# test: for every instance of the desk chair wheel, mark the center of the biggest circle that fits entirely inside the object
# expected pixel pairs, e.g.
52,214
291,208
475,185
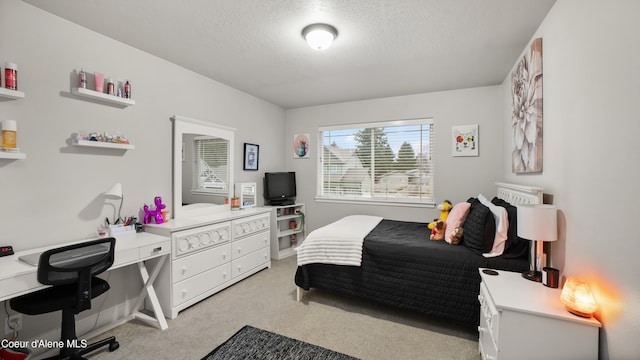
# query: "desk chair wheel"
114,346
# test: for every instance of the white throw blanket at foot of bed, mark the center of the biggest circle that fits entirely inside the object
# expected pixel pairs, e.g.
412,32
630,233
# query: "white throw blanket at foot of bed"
338,243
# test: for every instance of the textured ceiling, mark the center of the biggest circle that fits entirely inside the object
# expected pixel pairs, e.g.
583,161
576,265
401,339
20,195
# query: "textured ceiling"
384,47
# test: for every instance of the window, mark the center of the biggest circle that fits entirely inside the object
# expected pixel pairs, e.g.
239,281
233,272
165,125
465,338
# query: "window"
211,163
388,162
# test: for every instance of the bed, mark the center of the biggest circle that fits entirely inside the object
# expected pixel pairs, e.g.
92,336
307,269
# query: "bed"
401,267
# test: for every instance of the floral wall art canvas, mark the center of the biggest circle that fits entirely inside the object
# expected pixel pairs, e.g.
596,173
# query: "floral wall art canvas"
526,119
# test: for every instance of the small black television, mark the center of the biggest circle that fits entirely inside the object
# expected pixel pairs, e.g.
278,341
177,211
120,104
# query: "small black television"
280,188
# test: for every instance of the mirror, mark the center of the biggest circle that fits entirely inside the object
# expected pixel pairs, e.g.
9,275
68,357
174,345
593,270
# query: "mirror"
202,167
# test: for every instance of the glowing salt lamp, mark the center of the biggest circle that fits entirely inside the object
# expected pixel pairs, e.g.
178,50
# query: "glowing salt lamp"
577,298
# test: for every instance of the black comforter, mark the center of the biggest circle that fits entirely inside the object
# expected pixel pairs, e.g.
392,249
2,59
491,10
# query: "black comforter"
401,267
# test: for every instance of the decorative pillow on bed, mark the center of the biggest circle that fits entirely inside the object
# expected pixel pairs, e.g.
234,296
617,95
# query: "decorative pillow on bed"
479,228
456,218
515,245
502,224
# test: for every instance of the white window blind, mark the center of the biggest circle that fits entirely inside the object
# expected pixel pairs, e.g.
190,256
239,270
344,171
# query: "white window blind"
388,162
211,163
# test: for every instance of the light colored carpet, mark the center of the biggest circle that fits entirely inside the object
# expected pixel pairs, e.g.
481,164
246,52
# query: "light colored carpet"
266,300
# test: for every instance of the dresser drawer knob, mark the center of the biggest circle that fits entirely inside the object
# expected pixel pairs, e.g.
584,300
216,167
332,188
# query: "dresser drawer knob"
184,293
184,270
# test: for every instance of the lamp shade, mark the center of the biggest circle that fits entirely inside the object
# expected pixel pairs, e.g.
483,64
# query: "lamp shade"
538,222
577,298
319,36
115,192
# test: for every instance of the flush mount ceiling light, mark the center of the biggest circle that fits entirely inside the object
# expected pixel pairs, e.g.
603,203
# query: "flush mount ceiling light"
319,36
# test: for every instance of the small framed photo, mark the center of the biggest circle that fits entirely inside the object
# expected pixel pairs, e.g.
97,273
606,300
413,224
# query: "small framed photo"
464,140
301,146
251,156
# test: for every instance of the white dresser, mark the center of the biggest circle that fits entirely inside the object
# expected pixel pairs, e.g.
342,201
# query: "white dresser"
210,253
522,319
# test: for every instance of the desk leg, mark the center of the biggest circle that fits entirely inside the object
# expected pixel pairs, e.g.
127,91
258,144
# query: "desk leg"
150,293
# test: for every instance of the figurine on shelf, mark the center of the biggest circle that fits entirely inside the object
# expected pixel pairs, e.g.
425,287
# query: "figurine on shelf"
118,138
78,136
156,213
122,140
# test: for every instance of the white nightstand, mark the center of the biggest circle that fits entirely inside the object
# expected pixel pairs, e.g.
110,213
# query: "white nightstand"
522,319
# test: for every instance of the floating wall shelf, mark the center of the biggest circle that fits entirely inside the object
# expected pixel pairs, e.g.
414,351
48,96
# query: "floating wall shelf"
12,155
86,93
104,145
11,94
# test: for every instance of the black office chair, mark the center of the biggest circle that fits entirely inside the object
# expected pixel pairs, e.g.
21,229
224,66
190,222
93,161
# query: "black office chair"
72,271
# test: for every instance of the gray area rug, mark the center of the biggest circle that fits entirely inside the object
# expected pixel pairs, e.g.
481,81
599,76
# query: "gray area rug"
253,343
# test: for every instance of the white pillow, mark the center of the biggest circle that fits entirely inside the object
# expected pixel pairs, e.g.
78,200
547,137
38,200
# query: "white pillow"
502,225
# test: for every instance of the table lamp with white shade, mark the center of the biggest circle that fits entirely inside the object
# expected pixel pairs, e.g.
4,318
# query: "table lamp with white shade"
115,193
538,223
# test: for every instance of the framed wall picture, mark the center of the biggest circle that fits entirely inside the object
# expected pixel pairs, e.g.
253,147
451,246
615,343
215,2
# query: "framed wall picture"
251,156
301,145
526,118
464,140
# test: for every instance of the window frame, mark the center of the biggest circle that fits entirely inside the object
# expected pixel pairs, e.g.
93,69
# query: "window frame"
196,186
377,200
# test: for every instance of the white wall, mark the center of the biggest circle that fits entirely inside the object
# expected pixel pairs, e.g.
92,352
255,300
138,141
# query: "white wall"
63,184
55,194
456,178
591,57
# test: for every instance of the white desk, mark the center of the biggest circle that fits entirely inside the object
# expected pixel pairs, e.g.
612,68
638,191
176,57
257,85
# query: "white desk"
18,278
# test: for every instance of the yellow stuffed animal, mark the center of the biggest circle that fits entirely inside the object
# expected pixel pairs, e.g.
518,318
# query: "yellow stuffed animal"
444,208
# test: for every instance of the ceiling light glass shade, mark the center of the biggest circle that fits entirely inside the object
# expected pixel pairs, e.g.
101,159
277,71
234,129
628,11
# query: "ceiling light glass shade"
319,36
